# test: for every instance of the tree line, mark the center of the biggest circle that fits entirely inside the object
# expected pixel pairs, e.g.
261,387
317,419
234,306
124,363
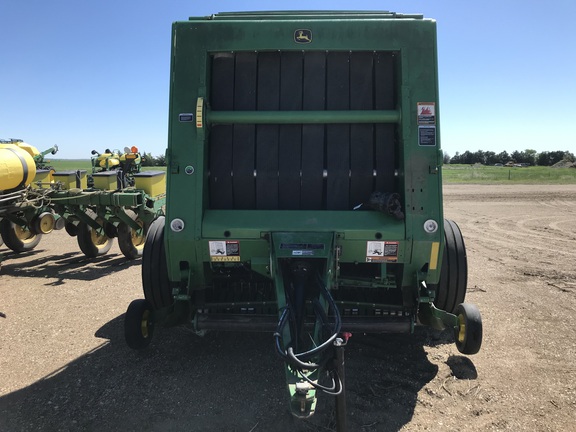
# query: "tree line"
530,157
149,160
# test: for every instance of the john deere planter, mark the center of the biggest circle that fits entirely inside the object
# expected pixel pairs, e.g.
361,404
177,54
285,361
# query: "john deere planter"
34,200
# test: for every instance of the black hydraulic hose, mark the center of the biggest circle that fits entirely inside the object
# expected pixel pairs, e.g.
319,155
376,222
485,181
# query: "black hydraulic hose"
336,388
299,359
278,332
337,326
294,359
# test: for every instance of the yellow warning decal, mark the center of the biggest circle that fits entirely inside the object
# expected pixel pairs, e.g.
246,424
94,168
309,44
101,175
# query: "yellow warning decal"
225,258
434,256
199,112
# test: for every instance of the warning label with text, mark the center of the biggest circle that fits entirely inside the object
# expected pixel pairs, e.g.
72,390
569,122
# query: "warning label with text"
382,251
224,251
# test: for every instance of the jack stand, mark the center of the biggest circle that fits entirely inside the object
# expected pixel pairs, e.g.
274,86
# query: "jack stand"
339,345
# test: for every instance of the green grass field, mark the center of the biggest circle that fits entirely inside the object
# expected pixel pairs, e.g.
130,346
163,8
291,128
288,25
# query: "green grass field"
479,174
84,164
451,173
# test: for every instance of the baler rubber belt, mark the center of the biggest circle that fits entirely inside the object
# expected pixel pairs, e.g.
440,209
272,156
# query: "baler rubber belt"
221,167
361,135
290,136
384,99
221,136
338,135
243,158
314,97
268,93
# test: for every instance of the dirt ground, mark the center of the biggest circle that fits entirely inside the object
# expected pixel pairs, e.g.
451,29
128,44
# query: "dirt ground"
64,364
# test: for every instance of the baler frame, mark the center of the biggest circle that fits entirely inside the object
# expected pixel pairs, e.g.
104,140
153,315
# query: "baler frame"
304,189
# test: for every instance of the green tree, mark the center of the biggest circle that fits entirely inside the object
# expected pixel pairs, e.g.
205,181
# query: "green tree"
161,160
503,157
556,156
543,159
490,158
530,156
478,157
550,158
148,160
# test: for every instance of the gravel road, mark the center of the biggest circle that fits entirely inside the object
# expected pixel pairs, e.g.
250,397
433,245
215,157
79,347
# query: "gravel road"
64,365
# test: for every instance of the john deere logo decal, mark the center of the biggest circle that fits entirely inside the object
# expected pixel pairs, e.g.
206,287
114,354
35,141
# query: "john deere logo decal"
303,36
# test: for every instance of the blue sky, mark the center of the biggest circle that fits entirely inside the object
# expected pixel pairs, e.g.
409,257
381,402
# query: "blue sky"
89,75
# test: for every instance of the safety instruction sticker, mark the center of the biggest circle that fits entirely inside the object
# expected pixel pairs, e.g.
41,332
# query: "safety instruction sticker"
224,251
426,113
382,251
427,136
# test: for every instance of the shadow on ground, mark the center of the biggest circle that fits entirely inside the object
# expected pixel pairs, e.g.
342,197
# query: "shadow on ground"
71,265
221,382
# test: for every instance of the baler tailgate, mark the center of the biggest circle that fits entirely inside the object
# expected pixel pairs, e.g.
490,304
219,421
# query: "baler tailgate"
304,193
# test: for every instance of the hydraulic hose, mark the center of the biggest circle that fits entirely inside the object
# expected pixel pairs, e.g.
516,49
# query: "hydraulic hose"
299,359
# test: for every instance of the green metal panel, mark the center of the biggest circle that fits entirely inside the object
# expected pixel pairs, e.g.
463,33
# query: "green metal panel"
410,39
302,117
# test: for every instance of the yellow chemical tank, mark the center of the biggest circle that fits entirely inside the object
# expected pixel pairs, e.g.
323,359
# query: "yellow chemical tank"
17,167
108,160
33,151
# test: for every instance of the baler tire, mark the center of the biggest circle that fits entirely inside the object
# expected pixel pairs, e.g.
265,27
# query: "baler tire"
468,333
138,324
451,288
131,244
155,282
91,243
16,238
